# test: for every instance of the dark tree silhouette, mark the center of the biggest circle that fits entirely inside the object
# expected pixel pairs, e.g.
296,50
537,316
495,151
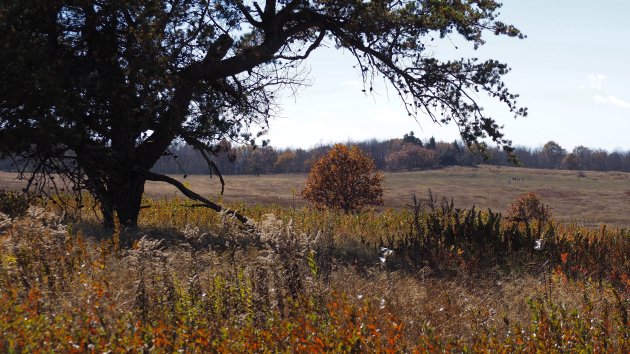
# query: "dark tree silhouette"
412,139
97,91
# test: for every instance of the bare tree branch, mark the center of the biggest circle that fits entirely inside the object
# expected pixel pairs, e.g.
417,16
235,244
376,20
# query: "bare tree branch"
313,45
213,167
245,11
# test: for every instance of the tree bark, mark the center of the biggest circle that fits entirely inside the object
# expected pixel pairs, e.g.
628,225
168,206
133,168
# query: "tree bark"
126,199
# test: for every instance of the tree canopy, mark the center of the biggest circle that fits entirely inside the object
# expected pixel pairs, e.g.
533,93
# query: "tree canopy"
98,90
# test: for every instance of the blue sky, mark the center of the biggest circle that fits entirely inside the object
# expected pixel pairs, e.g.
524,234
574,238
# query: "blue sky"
571,72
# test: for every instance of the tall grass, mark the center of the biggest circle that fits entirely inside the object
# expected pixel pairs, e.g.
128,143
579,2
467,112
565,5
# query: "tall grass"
311,281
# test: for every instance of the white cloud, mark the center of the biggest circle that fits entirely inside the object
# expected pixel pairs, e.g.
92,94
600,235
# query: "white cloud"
612,100
596,81
596,84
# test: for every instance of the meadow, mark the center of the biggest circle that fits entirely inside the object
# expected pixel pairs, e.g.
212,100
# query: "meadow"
430,275
586,197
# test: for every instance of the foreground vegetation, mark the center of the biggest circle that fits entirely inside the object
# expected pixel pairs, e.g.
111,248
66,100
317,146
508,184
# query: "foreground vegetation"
428,278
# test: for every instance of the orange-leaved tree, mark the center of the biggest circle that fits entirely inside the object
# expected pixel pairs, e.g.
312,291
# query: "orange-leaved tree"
344,179
528,207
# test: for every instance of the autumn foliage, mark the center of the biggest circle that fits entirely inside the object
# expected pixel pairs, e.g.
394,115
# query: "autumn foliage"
527,207
344,179
410,157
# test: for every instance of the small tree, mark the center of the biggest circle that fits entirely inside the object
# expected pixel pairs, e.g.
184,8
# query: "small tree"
344,179
527,207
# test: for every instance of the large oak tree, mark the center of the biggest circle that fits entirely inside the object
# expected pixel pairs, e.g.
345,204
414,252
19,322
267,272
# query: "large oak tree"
97,90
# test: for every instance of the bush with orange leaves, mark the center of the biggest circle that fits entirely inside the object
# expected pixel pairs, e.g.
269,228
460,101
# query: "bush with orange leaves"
344,179
527,207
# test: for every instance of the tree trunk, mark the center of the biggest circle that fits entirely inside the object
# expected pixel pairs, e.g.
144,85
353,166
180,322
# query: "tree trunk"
126,199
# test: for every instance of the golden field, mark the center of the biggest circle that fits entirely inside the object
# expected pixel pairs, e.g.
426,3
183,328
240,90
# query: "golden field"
597,197
586,197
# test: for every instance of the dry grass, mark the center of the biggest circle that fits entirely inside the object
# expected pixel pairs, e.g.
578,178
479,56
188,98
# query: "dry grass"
594,198
599,197
64,288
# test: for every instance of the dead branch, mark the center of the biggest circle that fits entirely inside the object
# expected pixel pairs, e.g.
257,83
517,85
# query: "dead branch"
152,176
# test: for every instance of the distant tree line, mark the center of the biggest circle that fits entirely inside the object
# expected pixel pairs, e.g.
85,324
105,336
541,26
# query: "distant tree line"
406,153
392,155
553,156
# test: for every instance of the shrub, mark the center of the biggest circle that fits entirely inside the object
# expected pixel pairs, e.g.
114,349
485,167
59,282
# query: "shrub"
344,179
14,204
527,207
